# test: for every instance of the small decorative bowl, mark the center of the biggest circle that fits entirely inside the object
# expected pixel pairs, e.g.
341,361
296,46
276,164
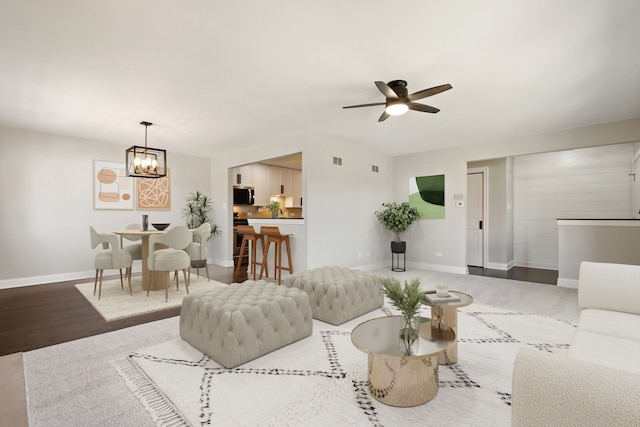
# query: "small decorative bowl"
161,226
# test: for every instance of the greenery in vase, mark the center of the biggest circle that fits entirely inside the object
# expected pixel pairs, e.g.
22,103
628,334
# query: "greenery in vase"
406,298
397,217
198,210
274,206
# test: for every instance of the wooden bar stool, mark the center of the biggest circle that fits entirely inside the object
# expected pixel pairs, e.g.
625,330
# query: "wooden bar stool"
249,235
272,235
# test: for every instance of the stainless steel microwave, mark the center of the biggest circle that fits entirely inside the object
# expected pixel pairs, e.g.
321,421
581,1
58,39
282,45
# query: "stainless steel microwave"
243,196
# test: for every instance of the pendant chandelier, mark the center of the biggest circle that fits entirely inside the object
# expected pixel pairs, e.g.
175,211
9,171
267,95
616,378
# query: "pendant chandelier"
145,162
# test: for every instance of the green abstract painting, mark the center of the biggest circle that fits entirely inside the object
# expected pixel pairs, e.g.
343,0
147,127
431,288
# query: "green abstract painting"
426,193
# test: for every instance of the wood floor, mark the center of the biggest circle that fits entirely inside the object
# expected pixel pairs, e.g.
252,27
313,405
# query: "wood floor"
38,316
535,275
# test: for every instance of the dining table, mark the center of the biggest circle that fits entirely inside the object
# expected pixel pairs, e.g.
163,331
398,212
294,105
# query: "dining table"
153,280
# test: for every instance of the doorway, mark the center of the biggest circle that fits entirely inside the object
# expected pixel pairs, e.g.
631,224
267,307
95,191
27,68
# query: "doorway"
476,223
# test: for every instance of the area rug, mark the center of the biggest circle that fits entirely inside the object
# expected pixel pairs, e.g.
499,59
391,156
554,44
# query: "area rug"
322,380
116,303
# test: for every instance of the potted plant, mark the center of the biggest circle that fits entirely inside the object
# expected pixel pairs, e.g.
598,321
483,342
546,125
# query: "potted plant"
397,217
407,299
274,208
197,211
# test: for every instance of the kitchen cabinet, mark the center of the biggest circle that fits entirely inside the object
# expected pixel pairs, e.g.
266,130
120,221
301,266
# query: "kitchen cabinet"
295,201
260,176
242,176
280,181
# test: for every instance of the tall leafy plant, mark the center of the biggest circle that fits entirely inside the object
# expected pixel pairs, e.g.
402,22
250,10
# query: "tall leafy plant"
397,217
198,210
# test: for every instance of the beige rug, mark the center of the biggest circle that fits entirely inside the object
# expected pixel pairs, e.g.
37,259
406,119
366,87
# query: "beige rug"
116,303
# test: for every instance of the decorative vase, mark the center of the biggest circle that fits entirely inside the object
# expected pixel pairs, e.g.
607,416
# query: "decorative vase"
145,222
274,214
409,334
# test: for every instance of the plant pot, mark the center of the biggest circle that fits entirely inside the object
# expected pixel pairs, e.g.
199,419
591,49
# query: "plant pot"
398,247
274,214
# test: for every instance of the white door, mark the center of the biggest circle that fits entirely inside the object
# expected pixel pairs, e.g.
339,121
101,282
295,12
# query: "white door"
636,188
475,219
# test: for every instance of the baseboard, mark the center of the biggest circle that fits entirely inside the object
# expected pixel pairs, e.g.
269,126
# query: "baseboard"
41,280
376,266
437,267
567,283
498,266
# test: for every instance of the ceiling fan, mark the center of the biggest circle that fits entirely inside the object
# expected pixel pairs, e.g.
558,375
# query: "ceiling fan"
399,102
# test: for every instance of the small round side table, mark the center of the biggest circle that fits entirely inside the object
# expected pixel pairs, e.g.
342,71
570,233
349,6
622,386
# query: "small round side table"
445,315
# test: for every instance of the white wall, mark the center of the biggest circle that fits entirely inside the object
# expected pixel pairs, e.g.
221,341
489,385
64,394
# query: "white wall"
342,228
339,201
46,182
449,235
590,183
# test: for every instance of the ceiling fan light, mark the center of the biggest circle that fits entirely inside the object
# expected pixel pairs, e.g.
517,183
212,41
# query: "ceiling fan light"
396,109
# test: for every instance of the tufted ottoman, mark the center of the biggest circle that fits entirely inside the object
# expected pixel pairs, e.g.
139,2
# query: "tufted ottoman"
338,294
237,323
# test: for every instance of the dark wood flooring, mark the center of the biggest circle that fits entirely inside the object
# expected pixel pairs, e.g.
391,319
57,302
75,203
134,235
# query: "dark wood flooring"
38,316
535,275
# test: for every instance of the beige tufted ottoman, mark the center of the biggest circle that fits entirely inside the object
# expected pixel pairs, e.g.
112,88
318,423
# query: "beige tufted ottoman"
338,294
237,323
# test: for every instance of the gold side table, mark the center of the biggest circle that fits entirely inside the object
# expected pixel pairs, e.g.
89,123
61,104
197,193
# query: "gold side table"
445,315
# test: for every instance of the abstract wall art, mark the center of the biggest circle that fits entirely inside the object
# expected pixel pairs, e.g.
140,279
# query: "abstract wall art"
426,193
154,193
112,188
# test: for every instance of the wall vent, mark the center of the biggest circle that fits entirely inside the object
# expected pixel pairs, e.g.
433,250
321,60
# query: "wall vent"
337,161
374,168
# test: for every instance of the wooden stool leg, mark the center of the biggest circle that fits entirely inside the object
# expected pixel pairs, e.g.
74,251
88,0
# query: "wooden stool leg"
241,254
253,257
264,260
289,254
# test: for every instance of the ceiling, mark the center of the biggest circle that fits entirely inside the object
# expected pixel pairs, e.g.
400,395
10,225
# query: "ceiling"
218,75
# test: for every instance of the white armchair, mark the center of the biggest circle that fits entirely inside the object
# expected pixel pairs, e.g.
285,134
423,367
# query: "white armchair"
110,257
174,257
134,249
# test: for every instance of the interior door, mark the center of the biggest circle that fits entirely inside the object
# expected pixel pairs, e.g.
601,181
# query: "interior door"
636,188
475,219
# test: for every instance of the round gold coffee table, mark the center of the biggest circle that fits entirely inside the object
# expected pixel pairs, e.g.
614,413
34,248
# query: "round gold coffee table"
445,315
401,376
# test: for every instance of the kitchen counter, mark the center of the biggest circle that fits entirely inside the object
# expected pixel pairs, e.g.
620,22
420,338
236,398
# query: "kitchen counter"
600,240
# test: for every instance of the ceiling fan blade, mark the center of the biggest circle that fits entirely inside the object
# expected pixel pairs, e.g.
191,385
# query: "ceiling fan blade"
365,105
386,90
422,107
384,116
429,92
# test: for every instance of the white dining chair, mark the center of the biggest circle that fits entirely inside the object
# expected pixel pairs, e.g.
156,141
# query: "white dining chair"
110,257
134,249
174,257
197,249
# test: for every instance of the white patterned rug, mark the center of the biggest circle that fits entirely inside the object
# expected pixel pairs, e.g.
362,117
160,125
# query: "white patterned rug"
115,303
322,380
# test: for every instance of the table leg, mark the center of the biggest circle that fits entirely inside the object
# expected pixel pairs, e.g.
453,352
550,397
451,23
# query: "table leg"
400,381
446,317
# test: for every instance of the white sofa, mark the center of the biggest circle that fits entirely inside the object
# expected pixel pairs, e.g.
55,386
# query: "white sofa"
598,384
